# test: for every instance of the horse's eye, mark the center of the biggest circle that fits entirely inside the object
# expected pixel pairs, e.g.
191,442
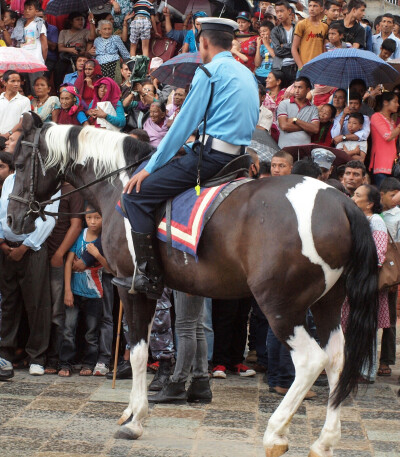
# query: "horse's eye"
19,166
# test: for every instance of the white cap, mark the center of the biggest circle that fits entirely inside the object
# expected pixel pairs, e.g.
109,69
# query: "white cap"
218,23
302,14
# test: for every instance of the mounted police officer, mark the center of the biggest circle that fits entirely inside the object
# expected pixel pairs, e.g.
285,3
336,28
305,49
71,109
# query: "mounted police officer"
224,93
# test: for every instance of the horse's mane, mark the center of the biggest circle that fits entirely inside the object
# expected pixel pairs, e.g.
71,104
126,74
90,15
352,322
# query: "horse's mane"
107,150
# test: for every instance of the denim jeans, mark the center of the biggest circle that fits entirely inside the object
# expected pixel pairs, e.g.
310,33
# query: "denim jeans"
208,328
106,325
388,342
90,309
258,333
281,370
192,345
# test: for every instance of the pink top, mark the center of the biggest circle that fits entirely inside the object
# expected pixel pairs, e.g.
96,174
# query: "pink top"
383,153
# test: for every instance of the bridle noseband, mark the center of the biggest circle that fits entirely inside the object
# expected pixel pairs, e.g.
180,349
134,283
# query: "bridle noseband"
34,207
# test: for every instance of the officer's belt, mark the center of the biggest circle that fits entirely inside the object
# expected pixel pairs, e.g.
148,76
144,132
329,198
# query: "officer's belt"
223,146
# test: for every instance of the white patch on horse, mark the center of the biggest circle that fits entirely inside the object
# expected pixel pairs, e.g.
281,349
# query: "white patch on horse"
302,197
309,360
330,433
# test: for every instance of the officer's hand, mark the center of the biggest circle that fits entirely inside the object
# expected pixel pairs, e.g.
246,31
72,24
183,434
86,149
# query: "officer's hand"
136,181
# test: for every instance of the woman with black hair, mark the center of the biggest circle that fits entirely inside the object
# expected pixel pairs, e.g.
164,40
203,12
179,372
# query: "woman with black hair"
327,114
368,199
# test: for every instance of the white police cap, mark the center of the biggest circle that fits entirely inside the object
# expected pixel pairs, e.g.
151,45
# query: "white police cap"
218,23
323,157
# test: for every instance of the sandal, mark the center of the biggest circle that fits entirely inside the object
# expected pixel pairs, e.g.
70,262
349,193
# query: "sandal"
384,370
86,371
64,373
50,370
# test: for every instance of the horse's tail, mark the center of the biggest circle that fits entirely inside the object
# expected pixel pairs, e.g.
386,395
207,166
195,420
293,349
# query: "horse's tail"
362,294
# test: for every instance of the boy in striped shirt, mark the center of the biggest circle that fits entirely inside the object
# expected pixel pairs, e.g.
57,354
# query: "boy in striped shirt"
141,25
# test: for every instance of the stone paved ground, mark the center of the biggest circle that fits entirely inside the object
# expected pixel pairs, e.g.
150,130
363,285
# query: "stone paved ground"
50,416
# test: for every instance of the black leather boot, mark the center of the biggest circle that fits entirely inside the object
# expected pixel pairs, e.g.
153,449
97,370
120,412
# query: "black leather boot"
199,391
124,371
162,376
148,278
172,392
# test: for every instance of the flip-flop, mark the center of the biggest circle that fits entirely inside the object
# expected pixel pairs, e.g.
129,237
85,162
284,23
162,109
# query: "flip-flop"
86,372
64,370
384,371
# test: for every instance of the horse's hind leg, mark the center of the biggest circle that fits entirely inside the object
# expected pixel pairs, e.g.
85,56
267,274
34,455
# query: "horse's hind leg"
139,312
309,360
326,314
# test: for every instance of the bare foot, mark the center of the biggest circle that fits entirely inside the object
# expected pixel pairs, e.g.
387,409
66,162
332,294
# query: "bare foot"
64,373
86,372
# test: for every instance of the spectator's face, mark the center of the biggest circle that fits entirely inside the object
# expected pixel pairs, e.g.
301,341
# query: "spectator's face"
325,114
255,23
300,90
271,82
12,142
325,173
156,115
386,199
179,96
13,84
360,198
354,106
80,62
7,20
282,13
314,9
359,13
78,23
353,125
102,91
110,18
4,172
393,105
106,31
333,13
359,88
93,221
396,29
334,36
387,25
89,69
125,72
66,100
197,24
385,54
352,178
148,89
280,167
41,88
30,12
264,5
265,33
243,25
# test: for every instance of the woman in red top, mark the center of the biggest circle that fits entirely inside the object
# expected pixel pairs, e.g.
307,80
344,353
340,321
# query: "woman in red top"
85,82
384,135
245,44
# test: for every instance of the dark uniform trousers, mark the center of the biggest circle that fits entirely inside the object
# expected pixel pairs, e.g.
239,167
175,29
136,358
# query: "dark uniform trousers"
26,284
168,181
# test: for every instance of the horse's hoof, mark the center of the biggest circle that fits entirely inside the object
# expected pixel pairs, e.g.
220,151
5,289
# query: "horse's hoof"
276,451
125,417
126,433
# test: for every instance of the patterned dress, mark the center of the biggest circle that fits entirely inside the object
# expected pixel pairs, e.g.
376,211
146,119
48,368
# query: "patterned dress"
380,236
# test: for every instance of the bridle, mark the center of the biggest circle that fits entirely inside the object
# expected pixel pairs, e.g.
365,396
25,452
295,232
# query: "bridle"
37,208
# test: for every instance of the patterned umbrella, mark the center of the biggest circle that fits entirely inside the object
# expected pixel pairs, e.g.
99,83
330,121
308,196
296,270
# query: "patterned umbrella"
304,150
179,70
20,60
339,67
59,7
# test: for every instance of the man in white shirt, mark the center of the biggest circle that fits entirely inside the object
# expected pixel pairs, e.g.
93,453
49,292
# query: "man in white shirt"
12,104
386,31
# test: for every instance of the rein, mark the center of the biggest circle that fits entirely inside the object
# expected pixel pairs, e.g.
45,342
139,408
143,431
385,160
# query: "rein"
37,207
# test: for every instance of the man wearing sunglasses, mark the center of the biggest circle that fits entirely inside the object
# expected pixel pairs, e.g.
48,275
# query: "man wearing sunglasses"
227,92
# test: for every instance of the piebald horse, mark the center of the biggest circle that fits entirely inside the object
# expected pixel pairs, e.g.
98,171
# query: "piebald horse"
292,242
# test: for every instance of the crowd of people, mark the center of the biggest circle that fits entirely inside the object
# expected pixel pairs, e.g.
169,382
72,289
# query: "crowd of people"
57,296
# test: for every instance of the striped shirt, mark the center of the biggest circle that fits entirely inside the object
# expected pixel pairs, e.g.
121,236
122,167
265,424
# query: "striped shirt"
144,8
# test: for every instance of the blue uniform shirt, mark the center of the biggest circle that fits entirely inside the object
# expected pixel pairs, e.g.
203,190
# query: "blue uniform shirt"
233,113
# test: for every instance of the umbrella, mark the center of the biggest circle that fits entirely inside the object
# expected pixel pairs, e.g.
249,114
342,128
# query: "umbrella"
339,67
20,60
179,70
304,150
263,144
395,63
59,7
184,7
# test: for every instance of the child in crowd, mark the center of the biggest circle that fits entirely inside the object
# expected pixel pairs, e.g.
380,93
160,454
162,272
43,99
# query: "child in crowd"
264,54
141,25
309,35
388,47
108,49
391,215
30,34
356,149
335,37
83,296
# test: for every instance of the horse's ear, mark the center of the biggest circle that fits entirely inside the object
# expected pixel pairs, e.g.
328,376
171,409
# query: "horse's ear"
37,121
27,122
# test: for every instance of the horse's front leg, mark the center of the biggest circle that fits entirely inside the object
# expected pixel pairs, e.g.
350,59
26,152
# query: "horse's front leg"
139,313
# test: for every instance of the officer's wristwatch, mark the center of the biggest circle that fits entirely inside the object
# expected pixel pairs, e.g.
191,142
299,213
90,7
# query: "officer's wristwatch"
294,120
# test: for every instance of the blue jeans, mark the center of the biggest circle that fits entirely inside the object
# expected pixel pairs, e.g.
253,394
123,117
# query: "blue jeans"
90,309
280,370
106,324
259,328
208,328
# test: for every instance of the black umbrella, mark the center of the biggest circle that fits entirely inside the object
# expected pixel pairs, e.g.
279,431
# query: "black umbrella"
59,7
263,144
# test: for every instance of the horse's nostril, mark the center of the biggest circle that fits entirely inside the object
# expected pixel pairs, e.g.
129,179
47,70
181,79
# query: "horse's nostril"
9,220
